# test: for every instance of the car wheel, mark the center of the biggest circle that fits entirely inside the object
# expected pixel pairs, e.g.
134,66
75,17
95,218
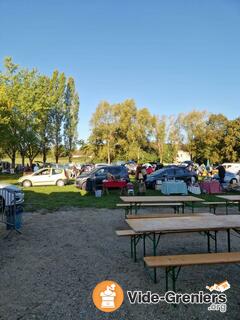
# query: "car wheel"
2,204
60,183
232,181
27,183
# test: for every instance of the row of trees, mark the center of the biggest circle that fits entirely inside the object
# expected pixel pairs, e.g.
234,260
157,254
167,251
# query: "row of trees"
37,113
122,131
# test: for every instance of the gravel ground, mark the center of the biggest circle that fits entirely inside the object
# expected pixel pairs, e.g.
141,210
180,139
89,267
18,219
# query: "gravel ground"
50,271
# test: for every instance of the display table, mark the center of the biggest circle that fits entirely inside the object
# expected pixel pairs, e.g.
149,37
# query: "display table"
174,187
112,184
211,186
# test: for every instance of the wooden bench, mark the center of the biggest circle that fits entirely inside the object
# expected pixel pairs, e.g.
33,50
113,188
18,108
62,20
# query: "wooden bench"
165,215
171,263
128,207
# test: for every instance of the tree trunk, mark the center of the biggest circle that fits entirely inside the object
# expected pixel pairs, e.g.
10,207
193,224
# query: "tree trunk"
44,154
108,152
138,155
70,151
160,155
56,157
30,162
12,155
23,159
13,159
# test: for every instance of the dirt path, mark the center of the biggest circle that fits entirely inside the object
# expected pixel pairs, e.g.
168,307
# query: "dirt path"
50,270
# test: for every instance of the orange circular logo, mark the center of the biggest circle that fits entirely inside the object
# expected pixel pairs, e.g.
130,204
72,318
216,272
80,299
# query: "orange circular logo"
108,296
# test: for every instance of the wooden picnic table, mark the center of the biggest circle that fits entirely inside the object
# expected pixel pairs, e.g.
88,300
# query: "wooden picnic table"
156,227
136,201
229,199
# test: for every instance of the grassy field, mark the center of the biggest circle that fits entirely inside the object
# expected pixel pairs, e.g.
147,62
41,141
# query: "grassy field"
53,197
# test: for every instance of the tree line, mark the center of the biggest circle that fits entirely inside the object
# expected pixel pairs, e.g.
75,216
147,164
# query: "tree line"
37,113
122,131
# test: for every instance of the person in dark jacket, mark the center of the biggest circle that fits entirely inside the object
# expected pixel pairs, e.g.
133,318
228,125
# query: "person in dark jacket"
221,173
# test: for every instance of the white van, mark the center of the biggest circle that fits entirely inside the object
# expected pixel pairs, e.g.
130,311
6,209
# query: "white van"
232,167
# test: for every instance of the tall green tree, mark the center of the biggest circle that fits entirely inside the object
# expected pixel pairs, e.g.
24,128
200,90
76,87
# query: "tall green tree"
210,144
159,133
193,125
10,84
231,147
103,131
71,118
57,111
174,139
44,98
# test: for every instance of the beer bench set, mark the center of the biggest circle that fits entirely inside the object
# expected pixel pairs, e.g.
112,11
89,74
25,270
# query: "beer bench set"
133,204
132,208
155,226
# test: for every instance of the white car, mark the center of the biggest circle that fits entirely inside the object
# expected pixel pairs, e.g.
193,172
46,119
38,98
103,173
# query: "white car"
7,194
230,177
45,177
232,167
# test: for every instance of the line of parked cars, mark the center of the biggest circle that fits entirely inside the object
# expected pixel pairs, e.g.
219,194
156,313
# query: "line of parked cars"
90,176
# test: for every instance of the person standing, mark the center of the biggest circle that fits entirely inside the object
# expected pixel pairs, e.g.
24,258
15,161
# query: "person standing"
221,173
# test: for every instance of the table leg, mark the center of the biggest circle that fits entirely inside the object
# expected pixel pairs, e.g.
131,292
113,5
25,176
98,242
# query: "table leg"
134,248
229,240
226,207
215,241
174,279
144,245
166,275
183,207
130,208
208,241
154,244
135,208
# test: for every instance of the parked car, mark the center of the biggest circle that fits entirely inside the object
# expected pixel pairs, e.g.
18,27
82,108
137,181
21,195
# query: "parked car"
45,177
230,177
87,180
7,192
232,167
172,172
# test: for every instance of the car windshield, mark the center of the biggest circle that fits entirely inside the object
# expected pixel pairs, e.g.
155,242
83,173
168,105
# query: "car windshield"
91,172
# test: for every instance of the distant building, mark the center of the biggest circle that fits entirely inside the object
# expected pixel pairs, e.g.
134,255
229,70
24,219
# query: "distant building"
183,156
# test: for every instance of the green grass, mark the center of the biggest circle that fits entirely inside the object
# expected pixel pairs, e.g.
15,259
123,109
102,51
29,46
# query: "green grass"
52,197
